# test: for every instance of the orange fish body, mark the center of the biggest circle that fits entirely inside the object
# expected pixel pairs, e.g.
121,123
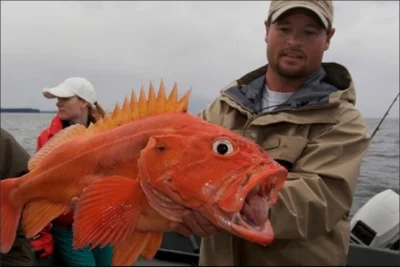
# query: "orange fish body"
139,170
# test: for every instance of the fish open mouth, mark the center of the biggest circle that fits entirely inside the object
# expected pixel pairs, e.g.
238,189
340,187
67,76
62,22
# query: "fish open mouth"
246,206
253,219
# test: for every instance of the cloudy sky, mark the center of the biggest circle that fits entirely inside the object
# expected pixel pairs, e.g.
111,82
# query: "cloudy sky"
204,45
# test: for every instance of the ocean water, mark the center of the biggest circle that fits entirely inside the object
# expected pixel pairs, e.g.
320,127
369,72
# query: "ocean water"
379,171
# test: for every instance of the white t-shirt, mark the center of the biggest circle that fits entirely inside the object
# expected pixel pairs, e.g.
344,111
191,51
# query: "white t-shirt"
271,99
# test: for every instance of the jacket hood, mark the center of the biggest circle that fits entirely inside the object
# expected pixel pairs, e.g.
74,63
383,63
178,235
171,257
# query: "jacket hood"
331,84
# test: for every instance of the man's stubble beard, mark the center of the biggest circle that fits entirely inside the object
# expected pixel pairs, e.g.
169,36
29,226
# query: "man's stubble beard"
289,74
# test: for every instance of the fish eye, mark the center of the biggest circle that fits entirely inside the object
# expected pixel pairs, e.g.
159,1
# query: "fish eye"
223,147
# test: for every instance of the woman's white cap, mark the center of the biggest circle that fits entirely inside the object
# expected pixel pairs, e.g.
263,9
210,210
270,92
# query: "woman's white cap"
74,86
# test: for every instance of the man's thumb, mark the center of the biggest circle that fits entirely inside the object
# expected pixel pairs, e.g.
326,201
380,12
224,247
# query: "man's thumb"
74,202
180,228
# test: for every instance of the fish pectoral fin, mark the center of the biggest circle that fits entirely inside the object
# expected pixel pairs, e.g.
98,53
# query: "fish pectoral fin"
107,211
138,243
39,213
152,246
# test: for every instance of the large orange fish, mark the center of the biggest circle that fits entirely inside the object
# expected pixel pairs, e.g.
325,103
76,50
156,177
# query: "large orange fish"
137,171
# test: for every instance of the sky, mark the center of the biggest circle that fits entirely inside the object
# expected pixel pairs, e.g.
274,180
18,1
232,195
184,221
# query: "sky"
120,46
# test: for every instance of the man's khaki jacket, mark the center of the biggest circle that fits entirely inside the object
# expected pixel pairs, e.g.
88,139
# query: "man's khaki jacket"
321,138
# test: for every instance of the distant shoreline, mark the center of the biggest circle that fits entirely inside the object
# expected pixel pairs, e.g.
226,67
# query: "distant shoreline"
25,110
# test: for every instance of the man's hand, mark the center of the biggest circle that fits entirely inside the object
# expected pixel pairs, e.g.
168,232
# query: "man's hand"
193,223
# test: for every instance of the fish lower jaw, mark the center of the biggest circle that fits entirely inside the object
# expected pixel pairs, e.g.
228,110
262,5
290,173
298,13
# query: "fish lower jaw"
261,234
242,220
239,224
252,220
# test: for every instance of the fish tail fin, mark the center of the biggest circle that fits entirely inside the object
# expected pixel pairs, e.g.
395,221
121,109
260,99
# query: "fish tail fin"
138,244
107,211
10,214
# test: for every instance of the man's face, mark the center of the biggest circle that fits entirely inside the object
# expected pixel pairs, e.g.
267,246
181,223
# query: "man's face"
296,43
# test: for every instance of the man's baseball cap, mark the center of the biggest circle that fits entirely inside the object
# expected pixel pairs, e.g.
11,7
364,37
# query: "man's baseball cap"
322,8
74,86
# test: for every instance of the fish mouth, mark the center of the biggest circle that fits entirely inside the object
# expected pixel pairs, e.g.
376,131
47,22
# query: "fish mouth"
245,209
253,219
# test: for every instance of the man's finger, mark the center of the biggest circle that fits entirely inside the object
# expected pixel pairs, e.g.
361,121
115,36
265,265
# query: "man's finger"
74,202
180,228
193,225
206,225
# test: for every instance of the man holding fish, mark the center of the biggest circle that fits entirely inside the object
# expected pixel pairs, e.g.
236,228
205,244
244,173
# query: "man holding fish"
302,112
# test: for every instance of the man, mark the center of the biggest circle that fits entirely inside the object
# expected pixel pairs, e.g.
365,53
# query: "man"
13,163
302,111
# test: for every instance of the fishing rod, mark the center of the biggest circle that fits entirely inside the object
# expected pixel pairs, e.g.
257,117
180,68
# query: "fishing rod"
384,116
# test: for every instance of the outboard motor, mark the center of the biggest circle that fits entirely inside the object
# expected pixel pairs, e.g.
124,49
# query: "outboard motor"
376,224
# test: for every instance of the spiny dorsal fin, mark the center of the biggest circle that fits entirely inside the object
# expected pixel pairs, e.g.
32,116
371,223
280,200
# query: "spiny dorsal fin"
160,102
142,107
58,139
125,110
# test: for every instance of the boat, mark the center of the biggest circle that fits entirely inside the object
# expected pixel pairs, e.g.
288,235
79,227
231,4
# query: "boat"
374,238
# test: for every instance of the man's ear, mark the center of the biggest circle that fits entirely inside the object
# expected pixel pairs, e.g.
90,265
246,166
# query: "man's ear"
329,37
267,27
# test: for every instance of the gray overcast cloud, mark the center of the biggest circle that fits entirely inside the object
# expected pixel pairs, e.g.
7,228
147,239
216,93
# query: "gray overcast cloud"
204,45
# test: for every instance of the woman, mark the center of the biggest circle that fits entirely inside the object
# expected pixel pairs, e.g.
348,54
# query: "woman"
76,104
